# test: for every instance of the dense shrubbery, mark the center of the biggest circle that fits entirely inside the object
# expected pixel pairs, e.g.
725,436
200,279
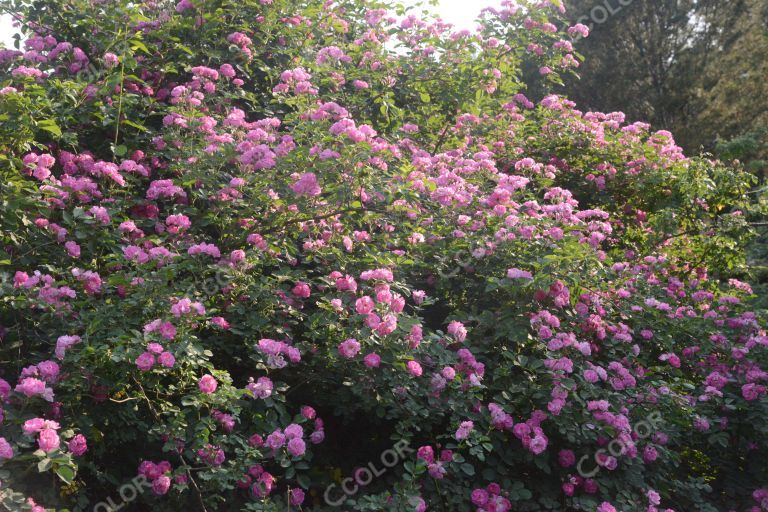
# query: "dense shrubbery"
250,246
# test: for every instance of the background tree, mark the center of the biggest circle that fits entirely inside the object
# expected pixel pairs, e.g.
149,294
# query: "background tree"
694,67
697,68
733,95
640,52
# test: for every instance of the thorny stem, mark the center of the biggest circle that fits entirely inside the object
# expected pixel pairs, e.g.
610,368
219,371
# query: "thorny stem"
194,484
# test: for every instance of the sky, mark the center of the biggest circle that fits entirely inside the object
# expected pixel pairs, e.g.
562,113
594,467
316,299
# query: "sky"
6,31
459,12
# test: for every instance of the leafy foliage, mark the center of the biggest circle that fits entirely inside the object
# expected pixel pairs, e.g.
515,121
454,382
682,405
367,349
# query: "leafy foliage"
250,247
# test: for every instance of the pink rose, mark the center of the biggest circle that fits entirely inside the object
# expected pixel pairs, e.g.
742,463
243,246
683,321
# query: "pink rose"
207,384
349,348
414,368
78,445
48,440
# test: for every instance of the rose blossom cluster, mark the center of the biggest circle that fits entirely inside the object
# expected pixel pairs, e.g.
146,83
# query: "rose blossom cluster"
558,311
158,475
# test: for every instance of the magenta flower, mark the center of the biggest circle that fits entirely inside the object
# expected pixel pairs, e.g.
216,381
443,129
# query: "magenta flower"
458,331
653,497
418,503
166,359
464,429
293,430
149,469
301,290
387,325
516,273
6,451
263,487
31,387
372,360
538,444
212,455
161,485
262,388
579,29
166,329
426,453
414,368
296,447
379,274
226,421
480,497
701,424
207,384
208,249
227,70
155,348
307,185
415,336
78,445
49,371
364,305
185,307
275,440
349,348
145,361
436,471
220,322
296,497
110,60
48,440
671,358
72,249
566,458
35,425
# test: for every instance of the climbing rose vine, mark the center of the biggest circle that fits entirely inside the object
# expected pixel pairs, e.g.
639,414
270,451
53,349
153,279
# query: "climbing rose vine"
248,247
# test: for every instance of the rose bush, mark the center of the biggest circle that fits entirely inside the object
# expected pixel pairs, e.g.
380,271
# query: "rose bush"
247,246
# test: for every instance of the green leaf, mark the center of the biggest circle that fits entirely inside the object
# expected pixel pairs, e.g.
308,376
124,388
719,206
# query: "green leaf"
136,44
66,473
185,49
135,125
44,465
303,481
50,125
